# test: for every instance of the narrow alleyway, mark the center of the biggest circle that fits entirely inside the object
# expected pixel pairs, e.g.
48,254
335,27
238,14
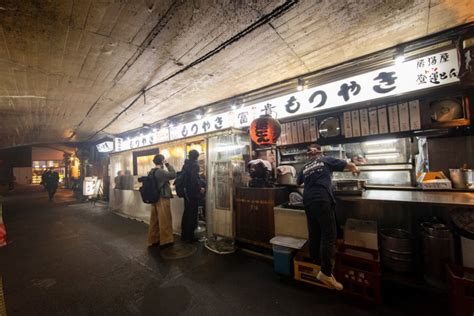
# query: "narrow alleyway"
65,258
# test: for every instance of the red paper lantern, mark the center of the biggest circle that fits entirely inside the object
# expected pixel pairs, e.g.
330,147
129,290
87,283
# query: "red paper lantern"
265,130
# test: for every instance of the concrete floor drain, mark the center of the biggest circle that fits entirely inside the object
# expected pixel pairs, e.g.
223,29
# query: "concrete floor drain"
3,309
178,251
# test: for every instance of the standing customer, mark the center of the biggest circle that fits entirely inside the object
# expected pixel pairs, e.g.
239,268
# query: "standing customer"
160,231
319,204
194,192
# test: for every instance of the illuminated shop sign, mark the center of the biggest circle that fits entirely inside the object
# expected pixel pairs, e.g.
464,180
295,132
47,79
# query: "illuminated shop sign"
142,140
105,147
205,125
427,72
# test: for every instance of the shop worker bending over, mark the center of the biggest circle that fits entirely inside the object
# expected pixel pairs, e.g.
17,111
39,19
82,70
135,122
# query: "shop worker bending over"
319,204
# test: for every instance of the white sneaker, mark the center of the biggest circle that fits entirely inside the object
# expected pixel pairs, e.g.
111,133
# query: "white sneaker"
330,281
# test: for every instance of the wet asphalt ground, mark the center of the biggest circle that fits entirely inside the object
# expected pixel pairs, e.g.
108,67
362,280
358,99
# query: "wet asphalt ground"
70,258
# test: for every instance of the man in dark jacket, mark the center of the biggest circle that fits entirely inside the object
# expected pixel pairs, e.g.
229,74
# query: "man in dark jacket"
50,180
160,231
319,204
194,188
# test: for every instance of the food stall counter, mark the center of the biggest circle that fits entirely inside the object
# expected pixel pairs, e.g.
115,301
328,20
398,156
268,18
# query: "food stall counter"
442,198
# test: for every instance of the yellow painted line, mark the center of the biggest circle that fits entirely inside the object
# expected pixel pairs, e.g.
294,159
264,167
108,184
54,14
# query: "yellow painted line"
3,309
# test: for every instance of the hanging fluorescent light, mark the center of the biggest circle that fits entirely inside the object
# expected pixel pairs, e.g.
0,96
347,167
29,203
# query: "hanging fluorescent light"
379,142
380,150
22,97
383,156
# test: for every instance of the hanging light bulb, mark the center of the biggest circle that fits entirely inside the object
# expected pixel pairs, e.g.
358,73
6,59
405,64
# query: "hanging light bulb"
399,59
300,86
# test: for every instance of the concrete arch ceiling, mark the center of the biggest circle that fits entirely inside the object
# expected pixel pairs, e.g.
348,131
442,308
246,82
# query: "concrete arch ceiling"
69,67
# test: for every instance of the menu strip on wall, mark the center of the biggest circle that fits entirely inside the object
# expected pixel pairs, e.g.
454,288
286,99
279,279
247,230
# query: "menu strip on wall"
307,132
393,118
364,122
313,125
355,123
373,121
347,124
382,118
404,117
294,132
415,117
300,131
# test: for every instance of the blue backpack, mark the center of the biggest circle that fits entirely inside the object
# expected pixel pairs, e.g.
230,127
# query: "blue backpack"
149,190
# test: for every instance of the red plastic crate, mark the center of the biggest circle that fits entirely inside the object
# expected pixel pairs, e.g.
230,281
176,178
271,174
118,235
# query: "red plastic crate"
358,269
461,290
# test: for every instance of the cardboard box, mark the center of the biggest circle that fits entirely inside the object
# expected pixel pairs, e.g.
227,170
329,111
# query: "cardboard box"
361,233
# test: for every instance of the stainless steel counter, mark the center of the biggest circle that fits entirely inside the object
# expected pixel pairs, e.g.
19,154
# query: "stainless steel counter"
442,198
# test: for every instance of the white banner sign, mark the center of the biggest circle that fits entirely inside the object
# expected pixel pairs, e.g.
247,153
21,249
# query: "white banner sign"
418,74
205,125
142,140
427,72
105,147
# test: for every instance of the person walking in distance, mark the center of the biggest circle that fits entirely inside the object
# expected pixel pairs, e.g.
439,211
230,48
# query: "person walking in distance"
194,192
319,204
50,180
160,231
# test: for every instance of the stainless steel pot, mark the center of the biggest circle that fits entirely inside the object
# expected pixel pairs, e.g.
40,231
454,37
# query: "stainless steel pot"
396,252
396,240
438,250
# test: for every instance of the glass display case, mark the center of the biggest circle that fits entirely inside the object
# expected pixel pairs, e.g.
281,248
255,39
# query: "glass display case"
384,162
121,171
227,156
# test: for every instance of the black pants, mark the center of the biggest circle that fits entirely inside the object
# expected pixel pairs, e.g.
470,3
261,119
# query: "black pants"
321,218
51,191
189,221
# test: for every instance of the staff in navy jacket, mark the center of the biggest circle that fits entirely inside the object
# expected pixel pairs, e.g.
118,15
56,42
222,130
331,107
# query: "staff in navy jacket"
319,203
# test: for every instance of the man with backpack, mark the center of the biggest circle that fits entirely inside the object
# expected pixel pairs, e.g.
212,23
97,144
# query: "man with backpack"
194,187
160,231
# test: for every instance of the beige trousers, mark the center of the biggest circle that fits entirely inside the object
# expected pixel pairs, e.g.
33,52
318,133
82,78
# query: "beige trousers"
161,227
